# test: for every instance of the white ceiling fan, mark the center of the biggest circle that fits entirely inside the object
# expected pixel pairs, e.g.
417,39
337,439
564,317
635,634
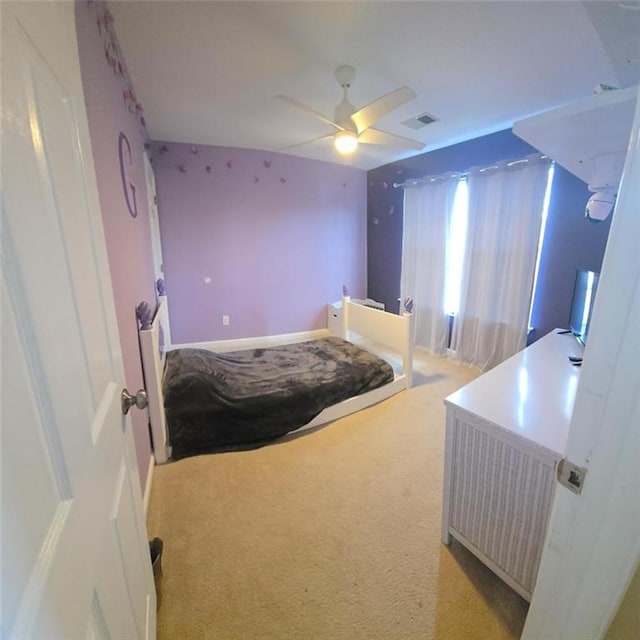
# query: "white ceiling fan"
353,126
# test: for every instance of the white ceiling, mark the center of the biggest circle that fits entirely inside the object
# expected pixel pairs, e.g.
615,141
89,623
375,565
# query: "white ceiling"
208,72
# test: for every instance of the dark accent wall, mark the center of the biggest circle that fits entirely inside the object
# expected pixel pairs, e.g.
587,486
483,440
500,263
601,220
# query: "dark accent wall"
571,241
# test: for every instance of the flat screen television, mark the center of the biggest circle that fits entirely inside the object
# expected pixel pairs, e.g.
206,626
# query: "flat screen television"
584,295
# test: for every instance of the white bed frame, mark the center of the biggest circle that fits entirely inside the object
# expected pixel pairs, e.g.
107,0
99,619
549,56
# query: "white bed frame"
359,323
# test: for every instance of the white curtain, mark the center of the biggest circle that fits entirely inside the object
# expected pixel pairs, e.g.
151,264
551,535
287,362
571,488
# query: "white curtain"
427,211
505,214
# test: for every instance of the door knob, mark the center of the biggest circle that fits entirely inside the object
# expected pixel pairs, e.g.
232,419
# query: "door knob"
140,400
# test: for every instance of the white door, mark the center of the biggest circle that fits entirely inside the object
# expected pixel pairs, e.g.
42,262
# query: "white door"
593,541
75,555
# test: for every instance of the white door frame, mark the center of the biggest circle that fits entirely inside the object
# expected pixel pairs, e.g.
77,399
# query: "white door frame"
156,243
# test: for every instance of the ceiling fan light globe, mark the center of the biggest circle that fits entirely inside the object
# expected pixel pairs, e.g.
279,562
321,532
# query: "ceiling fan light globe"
345,142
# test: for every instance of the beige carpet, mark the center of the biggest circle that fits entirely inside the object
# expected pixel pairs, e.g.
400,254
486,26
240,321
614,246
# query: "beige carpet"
332,535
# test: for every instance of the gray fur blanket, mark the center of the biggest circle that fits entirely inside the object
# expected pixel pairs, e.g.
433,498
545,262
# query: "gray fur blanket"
214,400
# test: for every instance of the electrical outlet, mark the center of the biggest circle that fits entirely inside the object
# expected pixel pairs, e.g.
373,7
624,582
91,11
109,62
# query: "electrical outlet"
225,321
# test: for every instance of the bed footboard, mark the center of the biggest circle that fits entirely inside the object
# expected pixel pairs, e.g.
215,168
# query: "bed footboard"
387,329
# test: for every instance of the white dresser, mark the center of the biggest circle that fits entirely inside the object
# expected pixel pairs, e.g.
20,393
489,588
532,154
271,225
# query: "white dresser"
506,431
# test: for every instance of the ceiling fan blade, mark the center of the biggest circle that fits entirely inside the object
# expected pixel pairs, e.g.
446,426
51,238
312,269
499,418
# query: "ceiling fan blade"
375,136
304,107
299,144
379,108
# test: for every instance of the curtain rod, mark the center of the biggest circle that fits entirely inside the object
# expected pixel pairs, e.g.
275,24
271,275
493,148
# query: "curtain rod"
461,174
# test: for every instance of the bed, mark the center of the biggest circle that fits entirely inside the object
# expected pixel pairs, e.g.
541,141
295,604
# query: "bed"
202,400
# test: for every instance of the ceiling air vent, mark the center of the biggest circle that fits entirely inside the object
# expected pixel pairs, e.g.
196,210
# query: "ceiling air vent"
417,122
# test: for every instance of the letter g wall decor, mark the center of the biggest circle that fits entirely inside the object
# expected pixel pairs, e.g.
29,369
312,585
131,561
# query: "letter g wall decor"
129,189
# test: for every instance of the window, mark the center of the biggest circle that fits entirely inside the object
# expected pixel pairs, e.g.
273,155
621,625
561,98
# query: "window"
543,226
448,264
456,243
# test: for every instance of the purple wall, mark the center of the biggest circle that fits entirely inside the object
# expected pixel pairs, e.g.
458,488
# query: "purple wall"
571,241
128,239
276,235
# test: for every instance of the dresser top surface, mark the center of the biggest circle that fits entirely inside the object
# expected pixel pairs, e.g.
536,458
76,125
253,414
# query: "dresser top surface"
531,394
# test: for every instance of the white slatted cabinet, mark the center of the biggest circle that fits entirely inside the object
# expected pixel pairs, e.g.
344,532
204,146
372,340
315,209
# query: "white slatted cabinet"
505,433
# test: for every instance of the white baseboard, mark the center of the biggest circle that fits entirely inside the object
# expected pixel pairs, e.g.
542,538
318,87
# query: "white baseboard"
147,485
254,343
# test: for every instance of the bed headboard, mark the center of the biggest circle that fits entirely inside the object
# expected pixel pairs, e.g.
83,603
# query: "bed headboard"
153,352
